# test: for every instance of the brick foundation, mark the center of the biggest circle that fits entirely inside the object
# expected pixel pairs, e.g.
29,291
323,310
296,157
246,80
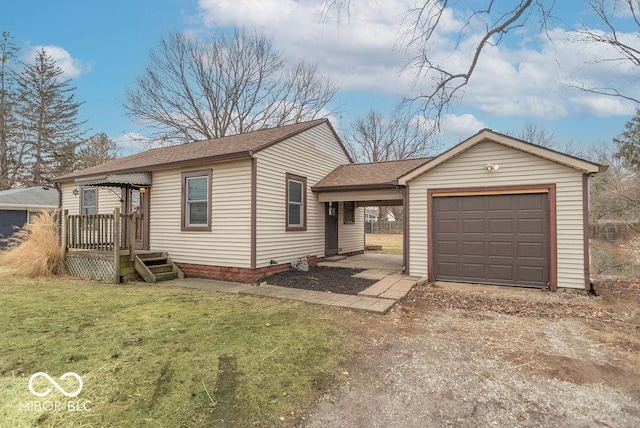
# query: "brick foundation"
246,275
234,274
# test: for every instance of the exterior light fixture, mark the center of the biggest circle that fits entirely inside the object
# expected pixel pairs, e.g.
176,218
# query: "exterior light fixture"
491,167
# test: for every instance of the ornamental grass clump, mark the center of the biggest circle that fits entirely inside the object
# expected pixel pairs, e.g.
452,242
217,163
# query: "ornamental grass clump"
34,250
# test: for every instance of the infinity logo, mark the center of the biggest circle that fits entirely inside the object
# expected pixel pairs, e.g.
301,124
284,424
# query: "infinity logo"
55,384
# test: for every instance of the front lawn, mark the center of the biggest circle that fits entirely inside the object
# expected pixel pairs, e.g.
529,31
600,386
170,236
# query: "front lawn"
391,242
161,356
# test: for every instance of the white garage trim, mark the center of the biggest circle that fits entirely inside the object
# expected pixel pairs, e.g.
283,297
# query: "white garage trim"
491,192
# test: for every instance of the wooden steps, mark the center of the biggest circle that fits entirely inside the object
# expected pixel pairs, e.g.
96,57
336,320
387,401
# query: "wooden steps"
156,266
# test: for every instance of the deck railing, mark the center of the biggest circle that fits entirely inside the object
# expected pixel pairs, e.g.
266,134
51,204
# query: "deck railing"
113,232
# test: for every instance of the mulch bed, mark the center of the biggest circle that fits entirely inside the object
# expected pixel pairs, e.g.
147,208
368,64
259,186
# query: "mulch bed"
322,278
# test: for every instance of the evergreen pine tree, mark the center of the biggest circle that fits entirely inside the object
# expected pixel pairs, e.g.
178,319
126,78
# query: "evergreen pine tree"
49,114
628,143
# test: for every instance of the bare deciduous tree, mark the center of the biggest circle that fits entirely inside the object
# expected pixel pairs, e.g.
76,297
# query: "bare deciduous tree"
97,150
615,194
199,89
442,84
628,48
531,132
8,52
375,137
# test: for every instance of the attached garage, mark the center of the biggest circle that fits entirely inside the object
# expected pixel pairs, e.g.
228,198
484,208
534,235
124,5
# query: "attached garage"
492,238
491,210
498,210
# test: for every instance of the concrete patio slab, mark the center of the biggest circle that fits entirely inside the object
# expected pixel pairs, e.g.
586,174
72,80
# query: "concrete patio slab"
390,262
374,274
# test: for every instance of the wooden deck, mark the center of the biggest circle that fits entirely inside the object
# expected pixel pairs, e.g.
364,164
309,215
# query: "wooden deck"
102,247
98,265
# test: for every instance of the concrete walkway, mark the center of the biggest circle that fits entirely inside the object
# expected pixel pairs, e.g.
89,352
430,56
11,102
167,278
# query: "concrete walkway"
392,263
378,298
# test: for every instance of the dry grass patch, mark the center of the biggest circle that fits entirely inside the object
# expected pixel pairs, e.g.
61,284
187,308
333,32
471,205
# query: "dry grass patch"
35,250
391,242
164,356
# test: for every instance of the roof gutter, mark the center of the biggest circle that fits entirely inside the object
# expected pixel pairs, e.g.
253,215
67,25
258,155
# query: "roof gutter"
159,167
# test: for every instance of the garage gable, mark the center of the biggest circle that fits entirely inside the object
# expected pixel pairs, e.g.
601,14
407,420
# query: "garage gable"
487,135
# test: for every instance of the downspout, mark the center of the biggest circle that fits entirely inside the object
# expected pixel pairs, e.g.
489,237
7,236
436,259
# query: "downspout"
253,253
589,284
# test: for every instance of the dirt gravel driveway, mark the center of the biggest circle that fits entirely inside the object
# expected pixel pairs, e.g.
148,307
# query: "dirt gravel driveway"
487,356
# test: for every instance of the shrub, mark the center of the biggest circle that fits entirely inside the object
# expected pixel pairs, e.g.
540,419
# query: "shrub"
34,250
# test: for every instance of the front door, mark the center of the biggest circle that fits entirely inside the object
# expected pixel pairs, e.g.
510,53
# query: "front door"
142,220
331,229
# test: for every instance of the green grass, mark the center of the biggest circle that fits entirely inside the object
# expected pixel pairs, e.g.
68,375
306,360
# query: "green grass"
161,356
391,242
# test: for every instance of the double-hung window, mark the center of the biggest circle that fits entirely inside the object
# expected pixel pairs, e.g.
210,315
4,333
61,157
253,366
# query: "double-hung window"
89,201
296,202
196,200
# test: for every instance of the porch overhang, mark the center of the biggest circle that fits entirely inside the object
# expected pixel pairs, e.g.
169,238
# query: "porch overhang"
138,179
363,197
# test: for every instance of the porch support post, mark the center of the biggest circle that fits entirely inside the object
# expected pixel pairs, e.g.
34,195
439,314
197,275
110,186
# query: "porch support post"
116,245
132,237
406,239
65,232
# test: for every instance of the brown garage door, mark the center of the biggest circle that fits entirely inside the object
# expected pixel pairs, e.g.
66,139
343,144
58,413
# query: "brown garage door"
492,239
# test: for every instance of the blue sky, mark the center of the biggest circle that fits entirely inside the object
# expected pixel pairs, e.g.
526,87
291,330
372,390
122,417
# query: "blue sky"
103,46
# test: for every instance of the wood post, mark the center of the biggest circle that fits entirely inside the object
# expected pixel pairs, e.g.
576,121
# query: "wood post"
132,236
65,232
116,245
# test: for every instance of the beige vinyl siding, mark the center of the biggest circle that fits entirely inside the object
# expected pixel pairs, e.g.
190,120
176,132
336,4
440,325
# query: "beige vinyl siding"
350,236
515,168
107,200
69,201
229,242
311,154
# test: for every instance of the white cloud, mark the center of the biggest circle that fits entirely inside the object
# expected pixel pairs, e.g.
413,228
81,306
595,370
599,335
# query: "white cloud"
359,52
530,81
71,67
131,143
460,127
363,50
603,106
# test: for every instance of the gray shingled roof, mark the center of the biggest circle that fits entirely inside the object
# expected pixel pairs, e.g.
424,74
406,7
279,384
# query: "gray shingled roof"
375,175
231,147
35,197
